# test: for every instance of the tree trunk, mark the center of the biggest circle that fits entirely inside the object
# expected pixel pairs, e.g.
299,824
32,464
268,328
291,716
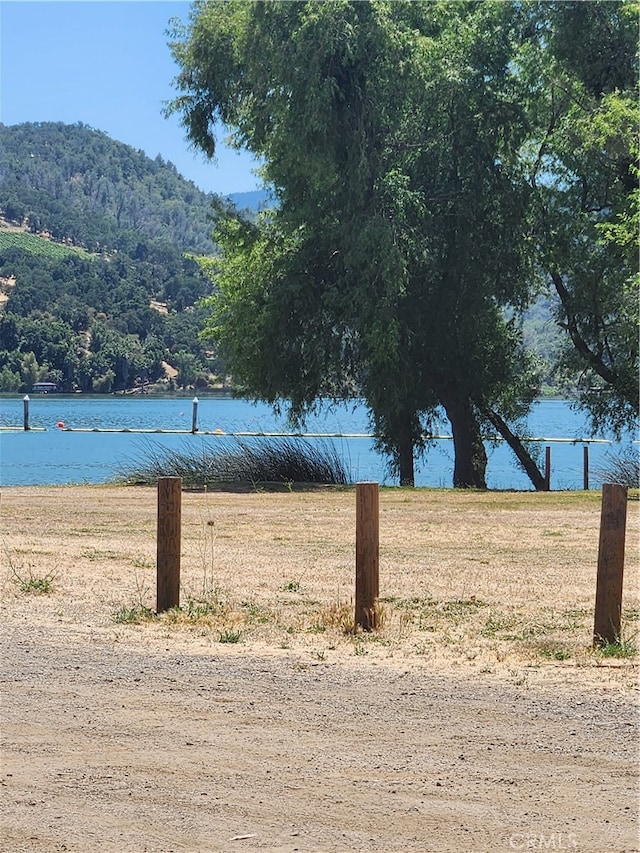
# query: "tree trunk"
405,456
521,452
470,456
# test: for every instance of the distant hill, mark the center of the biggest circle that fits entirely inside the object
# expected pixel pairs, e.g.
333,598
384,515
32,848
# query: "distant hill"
78,184
98,286
254,201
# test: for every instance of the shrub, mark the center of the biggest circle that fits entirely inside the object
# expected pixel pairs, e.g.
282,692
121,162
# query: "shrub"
240,461
622,469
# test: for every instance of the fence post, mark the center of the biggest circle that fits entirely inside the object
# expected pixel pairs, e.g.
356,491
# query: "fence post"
169,529
585,467
547,468
25,413
367,555
194,416
613,520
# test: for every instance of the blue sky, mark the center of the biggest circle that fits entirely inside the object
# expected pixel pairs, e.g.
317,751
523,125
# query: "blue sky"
105,64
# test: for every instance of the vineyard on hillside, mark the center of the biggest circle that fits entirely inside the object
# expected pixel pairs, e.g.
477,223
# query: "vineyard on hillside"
36,245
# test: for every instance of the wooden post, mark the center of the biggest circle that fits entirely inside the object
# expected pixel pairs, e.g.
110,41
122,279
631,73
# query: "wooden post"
194,416
25,413
169,528
585,467
547,468
613,520
367,555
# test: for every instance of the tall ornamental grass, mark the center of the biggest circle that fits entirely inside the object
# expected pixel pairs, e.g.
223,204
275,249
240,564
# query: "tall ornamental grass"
622,468
239,461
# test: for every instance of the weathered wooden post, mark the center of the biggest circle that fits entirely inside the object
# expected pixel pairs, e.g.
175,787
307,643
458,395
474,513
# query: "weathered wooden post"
585,467
367,555
169,529
194,416
547,468
613,525
25,412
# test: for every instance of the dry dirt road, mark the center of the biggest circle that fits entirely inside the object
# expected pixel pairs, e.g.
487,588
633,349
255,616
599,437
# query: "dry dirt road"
127,738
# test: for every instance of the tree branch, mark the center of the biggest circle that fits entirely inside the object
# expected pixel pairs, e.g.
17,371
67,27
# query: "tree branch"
593,359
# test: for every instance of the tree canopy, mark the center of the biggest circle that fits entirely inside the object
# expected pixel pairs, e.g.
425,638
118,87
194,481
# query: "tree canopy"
390,133
583,140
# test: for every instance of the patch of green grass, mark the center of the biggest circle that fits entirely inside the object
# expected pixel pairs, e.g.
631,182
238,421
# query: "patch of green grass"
555,654
461,606
292,586
622,647
197,610
229,636
497,623
35,584
133,615
256,614
93,554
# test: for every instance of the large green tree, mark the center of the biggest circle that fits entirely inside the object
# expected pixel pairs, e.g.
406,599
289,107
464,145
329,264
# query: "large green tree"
389,133
584,157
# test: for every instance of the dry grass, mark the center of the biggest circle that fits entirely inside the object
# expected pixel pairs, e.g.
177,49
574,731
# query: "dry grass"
477,579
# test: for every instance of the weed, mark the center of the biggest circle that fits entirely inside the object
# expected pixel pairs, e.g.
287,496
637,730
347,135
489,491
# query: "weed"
359,648
339,616
554,654
229,636
292,586
36,584
621,647
257,614
27,581
133,615
93,554
496,623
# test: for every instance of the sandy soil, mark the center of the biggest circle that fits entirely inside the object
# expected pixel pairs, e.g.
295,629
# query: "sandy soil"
477,719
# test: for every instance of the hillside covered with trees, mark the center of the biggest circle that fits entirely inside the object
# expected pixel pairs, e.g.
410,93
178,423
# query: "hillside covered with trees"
98,282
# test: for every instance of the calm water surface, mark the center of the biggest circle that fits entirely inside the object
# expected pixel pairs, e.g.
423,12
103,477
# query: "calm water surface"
54,456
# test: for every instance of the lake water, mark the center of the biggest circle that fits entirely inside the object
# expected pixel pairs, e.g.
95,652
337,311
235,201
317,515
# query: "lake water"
51,456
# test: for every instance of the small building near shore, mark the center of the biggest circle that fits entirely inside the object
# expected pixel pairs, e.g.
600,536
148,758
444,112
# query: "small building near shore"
44,387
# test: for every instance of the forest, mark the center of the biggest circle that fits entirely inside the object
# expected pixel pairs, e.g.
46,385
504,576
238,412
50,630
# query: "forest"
98,278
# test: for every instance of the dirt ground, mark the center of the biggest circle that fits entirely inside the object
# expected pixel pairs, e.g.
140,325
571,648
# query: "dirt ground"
476,719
